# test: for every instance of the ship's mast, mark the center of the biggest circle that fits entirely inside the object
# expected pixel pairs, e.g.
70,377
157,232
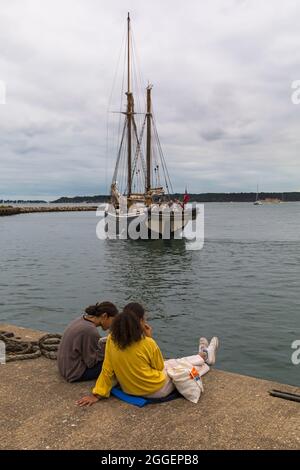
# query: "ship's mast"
149,117
129,111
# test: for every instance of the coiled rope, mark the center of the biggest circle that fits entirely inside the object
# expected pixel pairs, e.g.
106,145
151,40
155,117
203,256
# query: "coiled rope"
18,349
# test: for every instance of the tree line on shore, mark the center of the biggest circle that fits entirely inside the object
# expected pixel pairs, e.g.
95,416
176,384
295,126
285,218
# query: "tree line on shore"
202,197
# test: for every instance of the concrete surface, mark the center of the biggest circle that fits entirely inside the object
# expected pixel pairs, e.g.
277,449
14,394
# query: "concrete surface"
37,411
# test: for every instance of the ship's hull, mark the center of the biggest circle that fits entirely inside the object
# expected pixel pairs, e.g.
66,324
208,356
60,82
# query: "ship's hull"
149,224
173,223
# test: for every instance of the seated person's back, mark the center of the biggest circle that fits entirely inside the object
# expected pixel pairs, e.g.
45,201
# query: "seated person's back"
79,355
139,368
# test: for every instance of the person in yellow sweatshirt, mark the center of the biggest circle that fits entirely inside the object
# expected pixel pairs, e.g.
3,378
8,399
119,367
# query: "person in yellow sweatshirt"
134,360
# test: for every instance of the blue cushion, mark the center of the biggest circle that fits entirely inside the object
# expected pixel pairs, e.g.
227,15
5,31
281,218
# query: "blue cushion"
141,401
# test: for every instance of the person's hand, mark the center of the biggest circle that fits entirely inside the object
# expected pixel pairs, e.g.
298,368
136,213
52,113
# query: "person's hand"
148,330
89,400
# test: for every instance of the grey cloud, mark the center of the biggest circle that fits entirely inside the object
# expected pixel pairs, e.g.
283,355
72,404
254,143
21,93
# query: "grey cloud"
221,72
213,134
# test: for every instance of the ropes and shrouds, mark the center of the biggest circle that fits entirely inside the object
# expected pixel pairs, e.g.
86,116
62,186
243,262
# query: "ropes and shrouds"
138,168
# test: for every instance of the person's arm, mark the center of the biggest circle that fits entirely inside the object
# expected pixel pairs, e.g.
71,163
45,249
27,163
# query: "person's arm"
147,329
91,353
156,357
104,382
89,400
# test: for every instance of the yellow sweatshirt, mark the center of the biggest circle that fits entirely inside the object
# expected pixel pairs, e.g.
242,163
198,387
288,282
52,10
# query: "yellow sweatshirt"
139,368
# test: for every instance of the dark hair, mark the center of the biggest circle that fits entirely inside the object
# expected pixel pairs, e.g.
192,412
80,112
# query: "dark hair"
101,308
135,308
126,328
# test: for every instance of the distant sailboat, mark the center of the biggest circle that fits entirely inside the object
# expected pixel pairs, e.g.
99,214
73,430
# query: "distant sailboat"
266,200
257,201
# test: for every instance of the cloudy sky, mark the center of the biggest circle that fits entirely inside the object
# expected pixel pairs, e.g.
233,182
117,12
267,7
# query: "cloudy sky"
222,72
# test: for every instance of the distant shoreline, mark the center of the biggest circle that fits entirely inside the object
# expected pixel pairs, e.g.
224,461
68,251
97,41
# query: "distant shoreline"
200,197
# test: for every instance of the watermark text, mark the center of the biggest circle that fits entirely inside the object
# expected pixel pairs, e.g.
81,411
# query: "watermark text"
2,352
296,354
2,92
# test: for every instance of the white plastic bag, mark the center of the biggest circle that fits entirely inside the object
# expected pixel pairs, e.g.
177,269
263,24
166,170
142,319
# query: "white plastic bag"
101,346
186,379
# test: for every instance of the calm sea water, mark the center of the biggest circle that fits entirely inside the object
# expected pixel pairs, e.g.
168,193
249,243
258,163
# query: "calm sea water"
243,286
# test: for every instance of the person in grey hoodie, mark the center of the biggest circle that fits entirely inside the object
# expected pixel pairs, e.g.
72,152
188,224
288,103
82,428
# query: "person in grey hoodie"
80,356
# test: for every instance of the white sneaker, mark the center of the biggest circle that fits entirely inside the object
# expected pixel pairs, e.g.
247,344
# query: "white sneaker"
203,345
212,351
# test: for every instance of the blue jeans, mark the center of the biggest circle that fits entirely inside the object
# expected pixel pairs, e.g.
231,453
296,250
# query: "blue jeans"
92,373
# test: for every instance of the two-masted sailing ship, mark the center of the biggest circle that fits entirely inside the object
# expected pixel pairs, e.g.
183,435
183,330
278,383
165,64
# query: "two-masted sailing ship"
140,167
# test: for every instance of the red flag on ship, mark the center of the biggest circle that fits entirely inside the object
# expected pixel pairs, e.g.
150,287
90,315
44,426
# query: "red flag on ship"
186,197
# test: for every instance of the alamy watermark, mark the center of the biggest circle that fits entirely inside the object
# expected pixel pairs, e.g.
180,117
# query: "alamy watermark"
295,97
2,352
296,354
162,221
2,92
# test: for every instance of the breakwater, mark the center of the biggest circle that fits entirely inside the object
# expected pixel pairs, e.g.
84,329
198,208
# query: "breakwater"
10,210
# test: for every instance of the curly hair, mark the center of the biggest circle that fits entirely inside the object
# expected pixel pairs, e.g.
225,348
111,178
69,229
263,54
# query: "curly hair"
127,328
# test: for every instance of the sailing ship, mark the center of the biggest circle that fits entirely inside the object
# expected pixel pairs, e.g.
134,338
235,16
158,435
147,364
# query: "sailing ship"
141,165
266,200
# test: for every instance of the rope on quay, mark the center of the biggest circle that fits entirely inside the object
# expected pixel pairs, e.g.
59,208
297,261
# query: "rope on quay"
18,350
